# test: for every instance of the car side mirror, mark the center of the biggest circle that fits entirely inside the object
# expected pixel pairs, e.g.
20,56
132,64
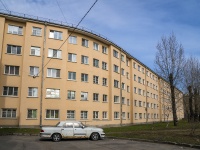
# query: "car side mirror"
83,127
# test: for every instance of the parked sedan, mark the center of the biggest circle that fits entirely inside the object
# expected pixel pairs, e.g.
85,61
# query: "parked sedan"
71,129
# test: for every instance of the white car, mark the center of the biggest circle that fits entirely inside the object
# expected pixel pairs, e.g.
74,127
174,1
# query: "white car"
71,129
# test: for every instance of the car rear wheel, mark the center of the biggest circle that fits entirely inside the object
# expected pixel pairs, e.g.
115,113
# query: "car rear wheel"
56,137
94,136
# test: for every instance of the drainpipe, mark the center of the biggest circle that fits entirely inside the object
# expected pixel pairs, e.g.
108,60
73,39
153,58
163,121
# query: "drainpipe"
42,78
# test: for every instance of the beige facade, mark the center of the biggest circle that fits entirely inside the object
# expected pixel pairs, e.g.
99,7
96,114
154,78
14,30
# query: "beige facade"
48,73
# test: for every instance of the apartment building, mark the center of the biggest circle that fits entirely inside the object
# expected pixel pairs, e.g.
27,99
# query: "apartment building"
51,72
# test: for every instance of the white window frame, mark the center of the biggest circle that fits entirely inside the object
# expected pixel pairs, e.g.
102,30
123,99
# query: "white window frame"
85,42
32,92
11,70
53,73
116,99
95,96
105,115
104,65
84,96
35,51
34,71
15,29
116,84
95,79
31,113
84,59
10,91
72,39
54,53
116,68
104,50
95,46
104,80
70,114
84,77
71,57
53,114
95,63
116,115
36,31
55,35
95,114
71,95
52,93
105,98
71,75
84,114
115,54
14,49
8,113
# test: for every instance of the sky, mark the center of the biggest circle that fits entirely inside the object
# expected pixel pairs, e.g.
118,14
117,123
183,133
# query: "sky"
135,25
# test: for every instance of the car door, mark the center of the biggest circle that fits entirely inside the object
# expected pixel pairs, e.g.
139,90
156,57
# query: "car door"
79,131
67,130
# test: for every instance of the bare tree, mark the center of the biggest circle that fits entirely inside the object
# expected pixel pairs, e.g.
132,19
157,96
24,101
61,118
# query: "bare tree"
169,62
192,83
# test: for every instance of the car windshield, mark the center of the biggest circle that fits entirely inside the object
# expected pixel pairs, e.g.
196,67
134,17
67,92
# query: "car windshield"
57,124
82,124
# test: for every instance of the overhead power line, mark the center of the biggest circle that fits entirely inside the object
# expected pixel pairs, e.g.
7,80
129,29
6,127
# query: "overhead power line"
69,35
61,10
4,5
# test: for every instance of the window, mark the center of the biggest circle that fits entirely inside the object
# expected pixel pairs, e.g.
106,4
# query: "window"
10,91
95,114
122,72
73,40
54,73
116,83
71,94
85,42
139,68
128,102
140,103
105,98
95,79
35,51
135,102
71,57
127,75
104,81
116,115
84,114
36,31
142,70
55,35
123,100
104,65
70,114
116,99
134,65
128,88
123,86
95,97
127,62
139,80
123,115
84,59
32,92
96,63
96,46
13,49
140,115
128,115
134,77
32,113
115,54
71,75
135,90
84,77
116,68
136,117
104,50
52,114
11,70
122,57
84,95
8,113
52,93
139,91
15,29
53,53
34,71
104,114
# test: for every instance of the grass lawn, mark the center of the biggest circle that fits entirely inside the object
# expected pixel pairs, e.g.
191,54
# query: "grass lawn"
158,132
155,132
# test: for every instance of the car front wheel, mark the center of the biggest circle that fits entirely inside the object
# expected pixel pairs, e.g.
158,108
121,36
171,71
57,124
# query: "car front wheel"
94,136
56,137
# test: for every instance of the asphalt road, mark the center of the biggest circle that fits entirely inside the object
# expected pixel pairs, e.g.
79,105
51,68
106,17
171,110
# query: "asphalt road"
35,143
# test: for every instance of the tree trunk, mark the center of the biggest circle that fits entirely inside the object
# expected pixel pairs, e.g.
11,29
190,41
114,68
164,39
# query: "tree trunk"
196,106
171,80
191,113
